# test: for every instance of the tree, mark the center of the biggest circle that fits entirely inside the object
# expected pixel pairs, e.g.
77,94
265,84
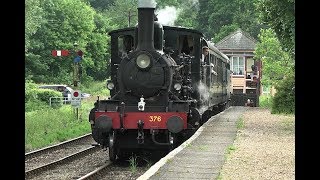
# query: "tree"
214,14
280,16
187,14
33,20
278,71
225,31
98,48
67,21
100,5
163,3
123,13
277,63
246,17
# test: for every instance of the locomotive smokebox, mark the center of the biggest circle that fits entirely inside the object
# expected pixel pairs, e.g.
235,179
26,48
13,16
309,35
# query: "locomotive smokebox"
146,24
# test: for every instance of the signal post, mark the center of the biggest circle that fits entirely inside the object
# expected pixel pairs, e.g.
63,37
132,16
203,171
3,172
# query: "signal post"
76,94
76,100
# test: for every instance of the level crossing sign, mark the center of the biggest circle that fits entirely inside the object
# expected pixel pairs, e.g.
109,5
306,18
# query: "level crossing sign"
76,98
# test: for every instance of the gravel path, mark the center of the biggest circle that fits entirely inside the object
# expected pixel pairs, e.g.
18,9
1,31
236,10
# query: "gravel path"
263,149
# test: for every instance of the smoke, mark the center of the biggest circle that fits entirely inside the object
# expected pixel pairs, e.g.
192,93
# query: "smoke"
204,91
147,3
168,15
204,96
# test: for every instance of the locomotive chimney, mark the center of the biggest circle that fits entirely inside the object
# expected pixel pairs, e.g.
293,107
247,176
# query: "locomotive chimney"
146,24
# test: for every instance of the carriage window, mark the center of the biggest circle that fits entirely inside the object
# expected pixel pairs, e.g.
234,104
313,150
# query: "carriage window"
125,45
237,65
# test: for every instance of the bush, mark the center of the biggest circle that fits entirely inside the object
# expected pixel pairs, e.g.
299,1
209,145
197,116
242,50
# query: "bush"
35,105
37,99
284,99
45,94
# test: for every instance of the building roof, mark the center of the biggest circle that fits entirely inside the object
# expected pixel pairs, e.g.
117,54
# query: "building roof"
237,40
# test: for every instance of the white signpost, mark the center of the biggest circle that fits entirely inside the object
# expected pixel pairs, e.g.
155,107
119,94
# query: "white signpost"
76,98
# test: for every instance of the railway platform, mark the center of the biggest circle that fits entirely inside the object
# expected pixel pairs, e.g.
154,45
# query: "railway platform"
203,154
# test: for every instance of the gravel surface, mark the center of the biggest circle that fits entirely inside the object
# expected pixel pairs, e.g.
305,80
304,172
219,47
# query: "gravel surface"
75,169
263,149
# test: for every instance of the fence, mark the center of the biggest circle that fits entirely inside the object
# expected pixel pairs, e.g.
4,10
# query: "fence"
58,100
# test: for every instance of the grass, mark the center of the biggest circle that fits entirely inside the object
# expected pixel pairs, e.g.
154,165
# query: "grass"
133,164
230,149
50,126
240,123
46,126
149,163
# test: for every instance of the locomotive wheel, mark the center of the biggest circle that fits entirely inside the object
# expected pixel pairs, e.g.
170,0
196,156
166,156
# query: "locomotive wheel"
195,118
112,148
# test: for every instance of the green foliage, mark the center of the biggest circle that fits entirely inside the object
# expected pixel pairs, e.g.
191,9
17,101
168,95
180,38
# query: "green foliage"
98,50
280,16
96,88
278,71
284,99
216,18
276,62
100,4
163,3
33,93
33,20
49,126
45,94
214,14
36,105
133,163
119,13
265,101
38,99
46,125
246,17
225,31
240,123
187,14
62,27
231,148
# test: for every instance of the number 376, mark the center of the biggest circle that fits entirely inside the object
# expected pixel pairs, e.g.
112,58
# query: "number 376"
155,118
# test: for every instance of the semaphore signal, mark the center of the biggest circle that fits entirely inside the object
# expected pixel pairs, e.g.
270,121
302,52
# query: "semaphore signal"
60,52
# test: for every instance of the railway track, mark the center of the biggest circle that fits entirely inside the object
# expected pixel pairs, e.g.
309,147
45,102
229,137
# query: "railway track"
47,158
78,159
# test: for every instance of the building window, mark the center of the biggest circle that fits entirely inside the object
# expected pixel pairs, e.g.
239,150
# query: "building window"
237,65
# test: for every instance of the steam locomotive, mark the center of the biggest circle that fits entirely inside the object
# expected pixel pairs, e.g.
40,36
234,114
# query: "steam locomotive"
162,89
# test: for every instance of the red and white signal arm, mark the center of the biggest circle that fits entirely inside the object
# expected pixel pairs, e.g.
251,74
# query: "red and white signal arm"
76,98
60,53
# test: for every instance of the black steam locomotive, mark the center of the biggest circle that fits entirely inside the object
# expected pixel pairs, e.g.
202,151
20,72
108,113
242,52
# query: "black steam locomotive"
162,88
